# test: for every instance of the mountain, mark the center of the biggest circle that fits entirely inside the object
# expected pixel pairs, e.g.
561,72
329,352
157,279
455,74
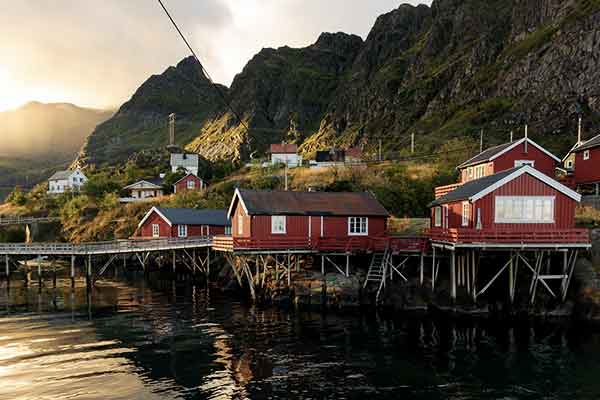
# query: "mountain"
142,122
40,138
443,72
50,131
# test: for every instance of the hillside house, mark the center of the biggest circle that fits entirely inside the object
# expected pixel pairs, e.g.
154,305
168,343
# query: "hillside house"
189,183
338,157
517,205
143,190
581,164
507,156
64,181
185,161
301,220
183,223
285,153
353,155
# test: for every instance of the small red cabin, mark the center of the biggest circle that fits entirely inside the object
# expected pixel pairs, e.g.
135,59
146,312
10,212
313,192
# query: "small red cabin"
188,183
508,156
288,220
519,205
581,163
183,223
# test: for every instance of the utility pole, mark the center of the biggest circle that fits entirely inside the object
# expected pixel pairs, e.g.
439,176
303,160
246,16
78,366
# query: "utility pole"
481,141
579,130
171,129
512,136
412,143
380,157
526,137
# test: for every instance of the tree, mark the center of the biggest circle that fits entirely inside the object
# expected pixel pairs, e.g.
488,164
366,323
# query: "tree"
100,184
17,197
171,178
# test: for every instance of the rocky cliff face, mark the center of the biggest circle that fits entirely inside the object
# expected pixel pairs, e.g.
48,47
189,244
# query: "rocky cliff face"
142,122
443,72
281,94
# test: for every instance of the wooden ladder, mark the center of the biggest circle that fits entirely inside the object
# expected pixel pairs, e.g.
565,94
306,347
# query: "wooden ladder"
378,270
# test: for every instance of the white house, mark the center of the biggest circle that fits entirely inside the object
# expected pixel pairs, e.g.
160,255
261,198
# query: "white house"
63,181
189,162
285,154
143,190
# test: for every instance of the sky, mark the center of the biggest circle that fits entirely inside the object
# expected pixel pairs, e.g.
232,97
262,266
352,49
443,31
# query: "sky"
96,53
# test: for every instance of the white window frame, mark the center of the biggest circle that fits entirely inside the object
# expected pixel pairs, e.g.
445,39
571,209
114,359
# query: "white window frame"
358,221
191,185
586,155
533,203
466,215
155,230
437,217
569,164
182,231
520,163
278,224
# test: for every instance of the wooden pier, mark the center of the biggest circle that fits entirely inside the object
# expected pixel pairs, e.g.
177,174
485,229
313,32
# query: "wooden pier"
6,221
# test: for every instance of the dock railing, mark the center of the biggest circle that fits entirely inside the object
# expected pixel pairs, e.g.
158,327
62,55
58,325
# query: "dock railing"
565,236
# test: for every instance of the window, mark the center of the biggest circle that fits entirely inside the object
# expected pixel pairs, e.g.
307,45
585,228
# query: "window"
465,213
358,226
182,231
228,230
240,224
437,217
520,163
191,185
278,224
524,210
586,155
570,164
155,230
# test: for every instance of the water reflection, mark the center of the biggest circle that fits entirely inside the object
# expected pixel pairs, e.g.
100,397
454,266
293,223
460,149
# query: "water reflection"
131,339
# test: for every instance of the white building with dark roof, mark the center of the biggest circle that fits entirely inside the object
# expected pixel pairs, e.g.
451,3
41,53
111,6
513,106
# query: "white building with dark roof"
188,162
63,181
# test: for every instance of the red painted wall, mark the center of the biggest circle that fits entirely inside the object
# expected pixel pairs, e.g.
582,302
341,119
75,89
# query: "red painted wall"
543,162
167,231
525,185
182,185
587,171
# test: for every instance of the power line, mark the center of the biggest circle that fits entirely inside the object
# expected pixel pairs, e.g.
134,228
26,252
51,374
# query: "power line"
202,69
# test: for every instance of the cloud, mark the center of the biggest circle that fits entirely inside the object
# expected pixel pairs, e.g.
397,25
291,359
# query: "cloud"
97,52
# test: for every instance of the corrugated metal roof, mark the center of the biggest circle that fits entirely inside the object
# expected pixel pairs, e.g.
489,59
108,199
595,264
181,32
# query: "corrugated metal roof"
311,203
61,176
191,216
471,188
284,148
155,183
485,155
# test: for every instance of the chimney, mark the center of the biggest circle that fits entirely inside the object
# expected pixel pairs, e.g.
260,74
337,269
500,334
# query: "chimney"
579,131
526,138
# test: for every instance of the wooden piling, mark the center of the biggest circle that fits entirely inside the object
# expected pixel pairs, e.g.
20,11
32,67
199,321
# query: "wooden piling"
72,271
453,276
7,269
39,270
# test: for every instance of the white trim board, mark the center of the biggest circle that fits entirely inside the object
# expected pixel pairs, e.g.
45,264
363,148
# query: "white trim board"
506,150
536,174
150,213
238,195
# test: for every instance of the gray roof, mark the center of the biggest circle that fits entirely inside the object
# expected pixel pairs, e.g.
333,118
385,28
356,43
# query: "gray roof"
486,155
60,175
311,203
471,188
191,216
589,144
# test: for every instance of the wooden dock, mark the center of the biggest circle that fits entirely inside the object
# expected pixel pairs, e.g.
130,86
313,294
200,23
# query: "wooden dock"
6,221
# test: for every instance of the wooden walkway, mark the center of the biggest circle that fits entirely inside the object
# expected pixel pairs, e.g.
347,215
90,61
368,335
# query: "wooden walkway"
5,221
103,248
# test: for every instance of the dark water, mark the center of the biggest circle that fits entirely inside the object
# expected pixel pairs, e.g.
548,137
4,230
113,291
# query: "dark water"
128,340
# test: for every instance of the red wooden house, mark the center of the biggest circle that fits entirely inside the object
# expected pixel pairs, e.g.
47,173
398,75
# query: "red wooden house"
183,223
515,206
305,220
508,156
188,183
582,164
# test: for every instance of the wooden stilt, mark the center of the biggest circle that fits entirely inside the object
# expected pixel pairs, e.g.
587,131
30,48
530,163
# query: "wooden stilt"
297,262
289,270
421,268
54,274
468,271
7,268
511,281
174,261
433,272
39,270
88,272
347,265
453,276
323,265
207,265
474,276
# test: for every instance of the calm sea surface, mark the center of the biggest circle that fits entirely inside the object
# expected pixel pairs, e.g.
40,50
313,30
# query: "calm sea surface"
131,339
